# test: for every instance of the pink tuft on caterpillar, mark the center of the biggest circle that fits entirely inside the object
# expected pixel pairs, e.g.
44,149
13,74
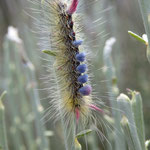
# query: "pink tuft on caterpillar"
73,7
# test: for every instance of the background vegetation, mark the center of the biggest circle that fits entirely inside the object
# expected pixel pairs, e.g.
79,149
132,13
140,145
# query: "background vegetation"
21,68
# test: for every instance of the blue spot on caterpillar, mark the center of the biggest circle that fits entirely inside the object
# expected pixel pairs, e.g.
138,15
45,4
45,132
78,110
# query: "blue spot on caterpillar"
80,57
81,68
77,43
83,78
85,90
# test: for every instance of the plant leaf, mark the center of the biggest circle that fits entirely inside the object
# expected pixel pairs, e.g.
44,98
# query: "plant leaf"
49,52
139,38
82,133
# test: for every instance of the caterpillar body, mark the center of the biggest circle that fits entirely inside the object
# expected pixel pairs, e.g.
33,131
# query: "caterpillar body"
70,65
71,69
70,60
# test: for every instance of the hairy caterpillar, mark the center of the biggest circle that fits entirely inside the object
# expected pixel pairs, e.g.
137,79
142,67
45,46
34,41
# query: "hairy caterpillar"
70,61
73,94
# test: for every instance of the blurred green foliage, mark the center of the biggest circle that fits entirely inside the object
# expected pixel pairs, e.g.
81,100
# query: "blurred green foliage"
21,69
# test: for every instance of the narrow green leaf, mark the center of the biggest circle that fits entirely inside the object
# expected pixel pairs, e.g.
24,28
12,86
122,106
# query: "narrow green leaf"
83,133
139,38
137,108
125,106
49,52
128,136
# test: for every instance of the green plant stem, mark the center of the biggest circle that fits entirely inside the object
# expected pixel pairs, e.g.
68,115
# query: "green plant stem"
23,99
17,141
144,12
113,93
36,106
3,136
